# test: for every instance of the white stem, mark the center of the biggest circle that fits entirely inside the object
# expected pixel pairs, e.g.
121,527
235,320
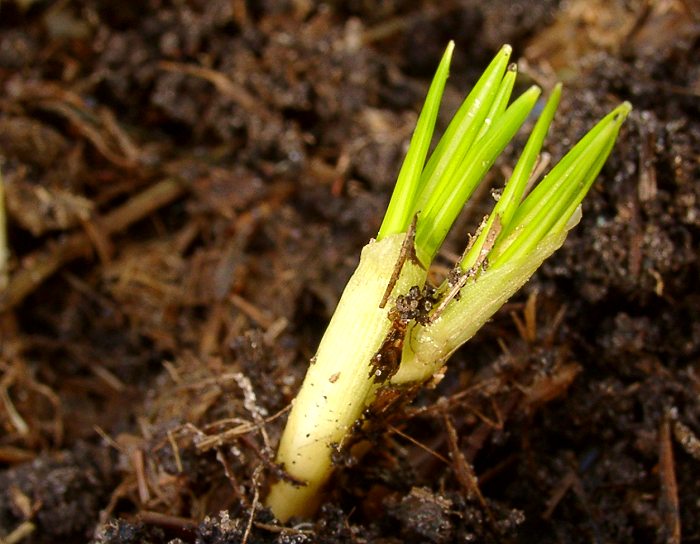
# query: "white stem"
338,386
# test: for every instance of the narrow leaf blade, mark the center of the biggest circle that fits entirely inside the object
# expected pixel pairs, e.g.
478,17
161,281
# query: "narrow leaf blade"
399,212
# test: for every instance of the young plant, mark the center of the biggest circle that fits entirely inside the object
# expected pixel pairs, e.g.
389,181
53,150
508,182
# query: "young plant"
390,328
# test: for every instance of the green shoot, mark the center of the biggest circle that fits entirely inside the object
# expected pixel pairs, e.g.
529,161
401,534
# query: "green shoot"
463,129
500,102
515,188
554,200
449,196
371,342
399,213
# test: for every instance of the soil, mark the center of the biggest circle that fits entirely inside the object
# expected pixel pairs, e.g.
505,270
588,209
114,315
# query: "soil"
188,186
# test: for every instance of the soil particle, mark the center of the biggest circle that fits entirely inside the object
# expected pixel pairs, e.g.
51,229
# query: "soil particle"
221,530
423,516
122,532
61,494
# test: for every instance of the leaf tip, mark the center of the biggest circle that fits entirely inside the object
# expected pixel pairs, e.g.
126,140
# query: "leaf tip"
624,109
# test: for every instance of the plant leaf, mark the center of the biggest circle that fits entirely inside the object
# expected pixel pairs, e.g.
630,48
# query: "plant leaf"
449,197
399,212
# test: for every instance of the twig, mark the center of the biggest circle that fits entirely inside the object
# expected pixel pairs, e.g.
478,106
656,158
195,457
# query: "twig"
176,451
267,461
463,470
668,501
13,455
419,444
22,531
407,250
137,461
4,250
479,436
230,474
168,521
251,310
102,131
223,84
15,418
559,492
42,264
283,530
254,505
401,23
108,439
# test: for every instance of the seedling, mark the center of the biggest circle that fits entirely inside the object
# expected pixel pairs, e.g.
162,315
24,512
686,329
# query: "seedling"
390,328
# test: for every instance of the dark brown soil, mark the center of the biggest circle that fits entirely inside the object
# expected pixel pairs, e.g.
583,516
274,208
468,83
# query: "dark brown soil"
188,186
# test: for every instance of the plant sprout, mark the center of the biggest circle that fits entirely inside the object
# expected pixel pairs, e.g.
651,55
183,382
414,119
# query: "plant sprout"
393,330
